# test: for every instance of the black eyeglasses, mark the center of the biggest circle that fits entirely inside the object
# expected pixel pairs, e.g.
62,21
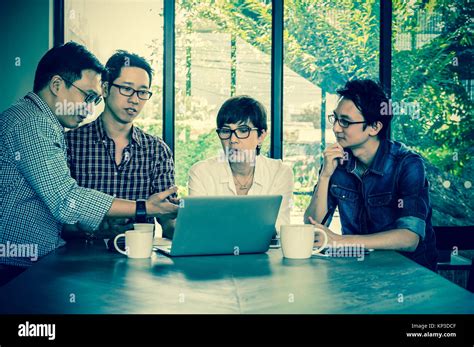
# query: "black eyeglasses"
242,132
342,122
90,97
129,91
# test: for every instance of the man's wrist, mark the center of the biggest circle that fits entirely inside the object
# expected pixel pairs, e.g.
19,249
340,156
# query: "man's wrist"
149,209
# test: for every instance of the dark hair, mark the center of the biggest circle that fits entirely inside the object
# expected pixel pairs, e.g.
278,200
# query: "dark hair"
122,58
67,61
243,109
370,99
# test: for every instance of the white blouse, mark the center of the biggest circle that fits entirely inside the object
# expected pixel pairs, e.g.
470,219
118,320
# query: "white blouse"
214,177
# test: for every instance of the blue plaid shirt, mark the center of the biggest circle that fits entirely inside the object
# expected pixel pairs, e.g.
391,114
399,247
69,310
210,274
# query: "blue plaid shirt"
37,192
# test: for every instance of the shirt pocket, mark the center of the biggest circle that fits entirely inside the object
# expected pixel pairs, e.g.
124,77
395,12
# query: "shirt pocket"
344,194
381,209
380,199
348,202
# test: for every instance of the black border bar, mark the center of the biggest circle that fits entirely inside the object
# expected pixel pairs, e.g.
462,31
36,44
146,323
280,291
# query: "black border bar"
350,330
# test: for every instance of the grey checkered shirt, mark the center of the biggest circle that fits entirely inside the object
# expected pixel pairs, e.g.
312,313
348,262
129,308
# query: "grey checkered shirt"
37,192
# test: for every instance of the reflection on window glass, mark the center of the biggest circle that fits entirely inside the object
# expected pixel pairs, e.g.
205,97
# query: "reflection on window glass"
135,26
222,50
326,43
432,99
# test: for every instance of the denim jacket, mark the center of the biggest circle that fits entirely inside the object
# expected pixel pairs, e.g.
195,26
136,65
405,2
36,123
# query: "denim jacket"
393,193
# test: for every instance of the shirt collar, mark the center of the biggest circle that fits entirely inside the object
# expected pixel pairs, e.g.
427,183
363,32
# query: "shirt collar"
44,108
102,134
136,135
378,162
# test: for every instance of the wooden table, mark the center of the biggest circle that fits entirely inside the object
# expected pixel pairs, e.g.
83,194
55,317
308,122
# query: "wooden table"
80,278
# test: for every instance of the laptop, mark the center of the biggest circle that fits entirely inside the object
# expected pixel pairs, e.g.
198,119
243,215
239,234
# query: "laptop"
223,225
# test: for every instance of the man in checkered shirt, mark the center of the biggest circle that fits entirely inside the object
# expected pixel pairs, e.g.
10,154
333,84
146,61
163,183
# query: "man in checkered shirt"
113,155
37,193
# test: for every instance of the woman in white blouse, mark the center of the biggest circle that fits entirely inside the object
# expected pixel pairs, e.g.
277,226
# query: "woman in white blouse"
241,169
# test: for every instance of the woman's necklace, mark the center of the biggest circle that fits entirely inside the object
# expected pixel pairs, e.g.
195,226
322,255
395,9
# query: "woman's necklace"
249,180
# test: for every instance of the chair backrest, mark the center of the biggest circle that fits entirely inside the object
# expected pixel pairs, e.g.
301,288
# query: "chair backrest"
461,237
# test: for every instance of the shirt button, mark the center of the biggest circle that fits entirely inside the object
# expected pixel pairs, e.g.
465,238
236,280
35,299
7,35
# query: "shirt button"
115,195
115,173
343,196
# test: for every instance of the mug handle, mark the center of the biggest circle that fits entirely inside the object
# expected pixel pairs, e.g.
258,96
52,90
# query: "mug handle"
324,243
115,244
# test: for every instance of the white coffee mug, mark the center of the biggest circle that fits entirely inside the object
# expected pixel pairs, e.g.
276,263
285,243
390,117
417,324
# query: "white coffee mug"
297,241
138,243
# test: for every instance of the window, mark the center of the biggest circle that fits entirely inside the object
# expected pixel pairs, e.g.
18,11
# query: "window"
222,50
137,28
432,100
326,43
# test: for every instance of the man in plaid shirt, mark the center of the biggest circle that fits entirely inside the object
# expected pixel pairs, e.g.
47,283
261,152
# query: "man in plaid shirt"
114,156
37,193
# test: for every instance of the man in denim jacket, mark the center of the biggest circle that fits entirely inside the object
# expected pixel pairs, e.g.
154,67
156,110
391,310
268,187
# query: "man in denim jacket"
378,185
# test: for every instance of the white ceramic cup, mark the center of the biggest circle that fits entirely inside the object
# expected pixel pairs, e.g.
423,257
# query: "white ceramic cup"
297,241
138,243
144,226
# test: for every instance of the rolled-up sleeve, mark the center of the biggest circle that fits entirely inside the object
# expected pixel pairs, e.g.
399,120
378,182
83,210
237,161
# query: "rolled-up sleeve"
413,196
414,224
42,161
